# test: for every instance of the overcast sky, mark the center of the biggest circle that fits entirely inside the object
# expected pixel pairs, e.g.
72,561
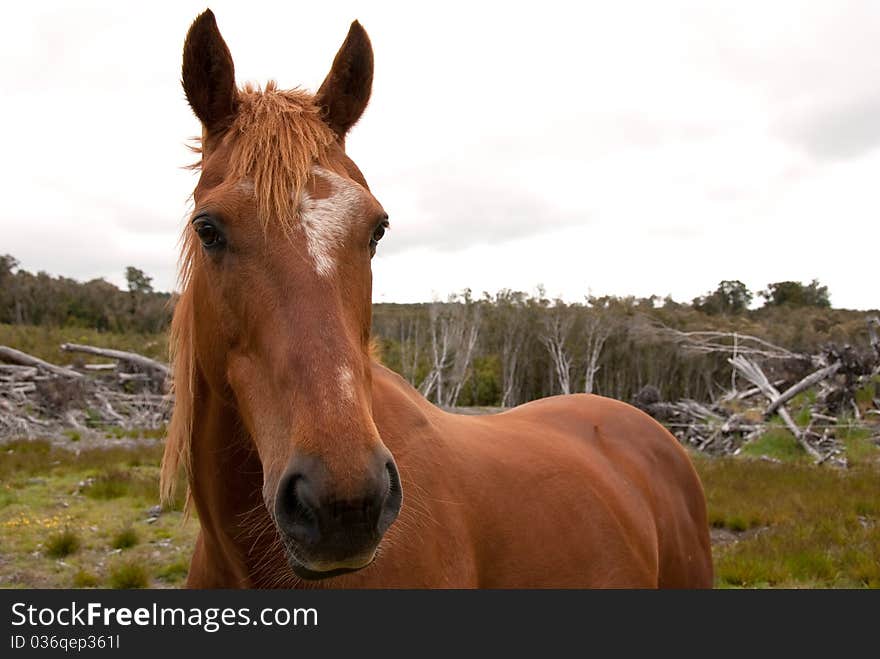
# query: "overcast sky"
604,147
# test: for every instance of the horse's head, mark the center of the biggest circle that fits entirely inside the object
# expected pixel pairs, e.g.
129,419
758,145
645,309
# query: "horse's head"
276,300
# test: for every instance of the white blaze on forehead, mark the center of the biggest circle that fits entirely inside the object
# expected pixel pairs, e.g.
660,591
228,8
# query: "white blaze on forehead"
325,221
346,382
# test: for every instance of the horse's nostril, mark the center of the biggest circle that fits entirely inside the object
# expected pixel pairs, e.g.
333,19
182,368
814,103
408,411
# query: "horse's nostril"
393,474
295,509
393,498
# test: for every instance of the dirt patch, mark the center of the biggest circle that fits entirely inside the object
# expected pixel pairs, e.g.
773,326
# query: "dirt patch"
722,537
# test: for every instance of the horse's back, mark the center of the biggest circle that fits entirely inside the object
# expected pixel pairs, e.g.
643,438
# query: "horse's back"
595,452
567,491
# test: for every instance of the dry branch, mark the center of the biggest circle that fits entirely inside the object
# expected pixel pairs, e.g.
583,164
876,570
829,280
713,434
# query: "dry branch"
806,383
753,373
100,367
22,358
724,342
121,355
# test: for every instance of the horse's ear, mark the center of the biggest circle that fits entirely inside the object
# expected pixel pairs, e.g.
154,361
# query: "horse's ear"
345,91
208,74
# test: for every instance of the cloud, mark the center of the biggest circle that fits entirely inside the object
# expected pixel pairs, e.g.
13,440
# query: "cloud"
836,129
452,211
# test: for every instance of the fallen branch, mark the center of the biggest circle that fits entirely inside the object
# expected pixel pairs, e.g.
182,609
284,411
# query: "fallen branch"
128,377
752,372
748,393
806,383
22,358
100,367
121,355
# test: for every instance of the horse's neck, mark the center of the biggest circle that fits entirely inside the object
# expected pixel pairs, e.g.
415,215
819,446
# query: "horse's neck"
405,418
227,479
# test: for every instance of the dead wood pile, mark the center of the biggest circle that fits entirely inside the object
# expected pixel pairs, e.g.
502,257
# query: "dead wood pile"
842,385
40,399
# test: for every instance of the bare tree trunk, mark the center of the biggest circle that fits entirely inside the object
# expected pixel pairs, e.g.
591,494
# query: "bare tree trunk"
514,338
439,329
469,320
557,327
598,330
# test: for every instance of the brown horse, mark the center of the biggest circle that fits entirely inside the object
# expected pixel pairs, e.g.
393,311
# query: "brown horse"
298,446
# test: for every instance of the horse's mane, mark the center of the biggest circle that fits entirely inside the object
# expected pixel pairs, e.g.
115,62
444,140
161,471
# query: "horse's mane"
276,137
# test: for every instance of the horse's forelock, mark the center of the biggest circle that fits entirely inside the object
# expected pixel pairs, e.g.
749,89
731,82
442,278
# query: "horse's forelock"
276,138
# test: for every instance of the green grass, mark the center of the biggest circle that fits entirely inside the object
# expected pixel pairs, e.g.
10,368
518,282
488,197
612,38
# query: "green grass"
24,458
46,490
62,544
172,572
115,483
777,443
860,448
798,525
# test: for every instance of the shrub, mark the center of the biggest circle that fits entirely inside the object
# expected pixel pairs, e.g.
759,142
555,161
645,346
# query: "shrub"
173,571
62,544
128,575
125,538
84,579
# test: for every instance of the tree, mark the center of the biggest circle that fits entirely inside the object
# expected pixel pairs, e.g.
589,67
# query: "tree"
10,306
796,294
139,286
454,328
138,281
729,298
598,326
508,313
557,325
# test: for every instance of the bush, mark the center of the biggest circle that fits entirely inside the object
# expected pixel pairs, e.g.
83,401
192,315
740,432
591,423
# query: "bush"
128,575
62,544
84,579
173,571
126,538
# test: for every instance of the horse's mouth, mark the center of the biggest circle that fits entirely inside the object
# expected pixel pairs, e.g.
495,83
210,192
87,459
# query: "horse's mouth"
305,573
318,571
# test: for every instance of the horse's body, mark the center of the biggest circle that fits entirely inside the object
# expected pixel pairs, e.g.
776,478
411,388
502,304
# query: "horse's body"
298,444
568,491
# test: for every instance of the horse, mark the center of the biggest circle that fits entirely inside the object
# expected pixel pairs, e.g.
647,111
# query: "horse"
309,463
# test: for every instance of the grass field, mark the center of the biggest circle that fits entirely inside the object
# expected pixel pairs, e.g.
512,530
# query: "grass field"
91,519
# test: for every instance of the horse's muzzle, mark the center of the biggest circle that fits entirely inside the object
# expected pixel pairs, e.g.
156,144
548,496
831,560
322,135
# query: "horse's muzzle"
325,535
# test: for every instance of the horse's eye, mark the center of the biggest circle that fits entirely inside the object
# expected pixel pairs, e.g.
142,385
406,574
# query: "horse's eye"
208,233
378,233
